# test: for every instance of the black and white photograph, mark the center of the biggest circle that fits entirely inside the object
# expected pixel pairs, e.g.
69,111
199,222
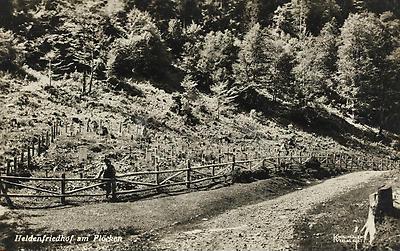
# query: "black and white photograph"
146,125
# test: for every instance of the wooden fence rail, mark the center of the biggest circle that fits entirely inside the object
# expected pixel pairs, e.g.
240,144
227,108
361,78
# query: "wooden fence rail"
184,176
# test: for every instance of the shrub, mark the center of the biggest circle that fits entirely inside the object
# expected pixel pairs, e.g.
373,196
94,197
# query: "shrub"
10,52
141,52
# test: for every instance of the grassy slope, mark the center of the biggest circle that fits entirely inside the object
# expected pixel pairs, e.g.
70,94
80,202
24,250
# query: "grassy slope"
33,107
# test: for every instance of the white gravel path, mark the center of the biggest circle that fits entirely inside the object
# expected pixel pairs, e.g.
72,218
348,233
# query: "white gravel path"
268,225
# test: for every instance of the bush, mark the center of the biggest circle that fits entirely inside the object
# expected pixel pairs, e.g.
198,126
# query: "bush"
138,55
10,52
246,176
141,52
242,176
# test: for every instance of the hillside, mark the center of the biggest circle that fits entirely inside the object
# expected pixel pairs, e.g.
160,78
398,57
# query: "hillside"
180,69
176,93
33,107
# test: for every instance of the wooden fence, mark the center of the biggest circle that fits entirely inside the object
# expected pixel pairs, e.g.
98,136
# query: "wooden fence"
193,171
162,150
38,144
185,176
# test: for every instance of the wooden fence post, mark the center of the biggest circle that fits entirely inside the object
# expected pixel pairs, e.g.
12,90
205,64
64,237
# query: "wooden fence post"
279,160
157,169
113,189
213,169
5,187
29,158
3,190
52,133
15,163
300,157
188,174
8,167
334,159
42,143
47,139
350,162
233,163
33,147
62,189
8,171
21,163
39,145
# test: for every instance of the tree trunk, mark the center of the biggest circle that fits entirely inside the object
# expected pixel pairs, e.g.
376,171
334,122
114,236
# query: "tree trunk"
385,201
380,204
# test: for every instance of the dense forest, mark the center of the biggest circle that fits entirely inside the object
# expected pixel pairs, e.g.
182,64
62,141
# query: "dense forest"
247,54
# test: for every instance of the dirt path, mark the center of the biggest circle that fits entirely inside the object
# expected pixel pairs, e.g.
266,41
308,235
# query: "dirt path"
267,225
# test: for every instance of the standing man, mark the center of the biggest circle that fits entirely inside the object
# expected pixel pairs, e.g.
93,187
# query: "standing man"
108,173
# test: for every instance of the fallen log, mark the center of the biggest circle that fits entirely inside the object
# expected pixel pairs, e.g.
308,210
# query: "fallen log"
380,204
